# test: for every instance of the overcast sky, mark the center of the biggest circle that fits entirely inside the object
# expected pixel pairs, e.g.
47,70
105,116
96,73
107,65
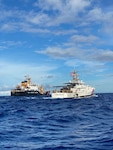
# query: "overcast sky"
47,39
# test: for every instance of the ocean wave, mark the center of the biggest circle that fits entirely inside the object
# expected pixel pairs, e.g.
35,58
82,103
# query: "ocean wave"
46,124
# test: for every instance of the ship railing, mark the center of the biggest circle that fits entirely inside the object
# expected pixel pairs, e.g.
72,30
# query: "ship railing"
62,91
16,90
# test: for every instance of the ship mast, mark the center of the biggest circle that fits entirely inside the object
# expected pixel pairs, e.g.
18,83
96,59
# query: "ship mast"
28,79
75,76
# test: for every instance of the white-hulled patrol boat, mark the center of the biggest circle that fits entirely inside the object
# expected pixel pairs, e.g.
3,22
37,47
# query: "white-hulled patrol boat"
26,88
74,89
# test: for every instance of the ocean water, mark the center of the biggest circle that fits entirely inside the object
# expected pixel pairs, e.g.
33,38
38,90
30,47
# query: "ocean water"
32,123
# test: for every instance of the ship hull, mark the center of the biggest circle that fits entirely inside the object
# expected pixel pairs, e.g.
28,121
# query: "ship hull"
71,95
29,93
63,95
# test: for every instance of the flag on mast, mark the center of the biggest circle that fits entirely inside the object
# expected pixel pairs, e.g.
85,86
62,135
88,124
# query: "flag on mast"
73,73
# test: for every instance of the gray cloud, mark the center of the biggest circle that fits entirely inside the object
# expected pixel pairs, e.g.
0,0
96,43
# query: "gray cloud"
63,12
84,39
77,53
103,56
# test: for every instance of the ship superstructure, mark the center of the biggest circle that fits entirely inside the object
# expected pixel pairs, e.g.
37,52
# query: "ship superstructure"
27,88
73,89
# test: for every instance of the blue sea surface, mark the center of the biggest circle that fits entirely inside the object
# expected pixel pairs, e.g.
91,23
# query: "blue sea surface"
32,123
